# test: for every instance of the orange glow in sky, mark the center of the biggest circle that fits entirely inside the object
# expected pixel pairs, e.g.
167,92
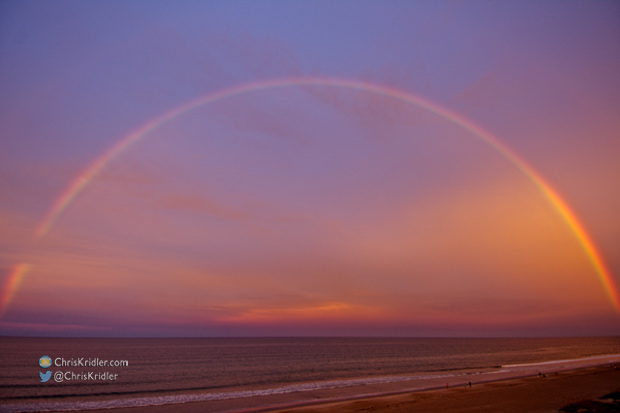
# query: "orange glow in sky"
450,177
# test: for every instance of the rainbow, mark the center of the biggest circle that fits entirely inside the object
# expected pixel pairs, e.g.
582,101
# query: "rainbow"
552,196
12,283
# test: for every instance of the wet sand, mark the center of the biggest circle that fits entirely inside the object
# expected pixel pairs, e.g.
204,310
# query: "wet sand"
527,394
531,394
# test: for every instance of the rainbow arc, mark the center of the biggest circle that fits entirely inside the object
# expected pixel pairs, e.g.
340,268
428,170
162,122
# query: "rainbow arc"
84,179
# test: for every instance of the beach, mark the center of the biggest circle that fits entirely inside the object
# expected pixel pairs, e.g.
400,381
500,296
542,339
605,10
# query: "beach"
526,394
531,394
307,374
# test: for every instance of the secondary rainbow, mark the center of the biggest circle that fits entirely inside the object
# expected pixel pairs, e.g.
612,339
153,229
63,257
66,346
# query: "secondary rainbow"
554,198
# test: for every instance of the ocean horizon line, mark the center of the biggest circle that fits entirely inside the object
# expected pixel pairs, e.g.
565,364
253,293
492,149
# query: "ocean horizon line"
317,336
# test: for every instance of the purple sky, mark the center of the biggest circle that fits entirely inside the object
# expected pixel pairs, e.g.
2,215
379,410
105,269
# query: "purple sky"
308,210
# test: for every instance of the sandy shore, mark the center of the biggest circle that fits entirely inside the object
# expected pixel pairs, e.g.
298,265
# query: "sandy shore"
532,394
529,394
513,388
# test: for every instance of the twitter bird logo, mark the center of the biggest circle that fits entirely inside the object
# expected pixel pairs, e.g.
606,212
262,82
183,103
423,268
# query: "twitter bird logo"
45,376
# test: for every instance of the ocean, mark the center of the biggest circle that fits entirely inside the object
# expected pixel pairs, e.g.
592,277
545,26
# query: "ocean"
239,373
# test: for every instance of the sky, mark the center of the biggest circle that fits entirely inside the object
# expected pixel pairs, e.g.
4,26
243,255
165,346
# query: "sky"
351,168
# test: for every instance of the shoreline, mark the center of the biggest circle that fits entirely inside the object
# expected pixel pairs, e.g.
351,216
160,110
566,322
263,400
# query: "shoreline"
404,389
531,394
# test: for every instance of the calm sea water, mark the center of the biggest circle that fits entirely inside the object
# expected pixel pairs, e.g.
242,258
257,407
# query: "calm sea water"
252,366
